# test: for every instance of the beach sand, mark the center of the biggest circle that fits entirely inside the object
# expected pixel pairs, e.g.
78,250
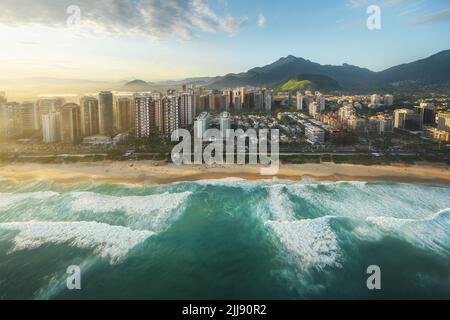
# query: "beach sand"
150,172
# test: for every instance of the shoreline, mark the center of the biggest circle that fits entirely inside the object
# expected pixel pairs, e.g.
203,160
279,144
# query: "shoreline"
158,173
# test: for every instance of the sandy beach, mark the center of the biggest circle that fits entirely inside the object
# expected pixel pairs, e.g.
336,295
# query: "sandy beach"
150,172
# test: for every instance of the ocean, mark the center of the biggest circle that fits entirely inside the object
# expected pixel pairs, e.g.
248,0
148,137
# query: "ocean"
225,239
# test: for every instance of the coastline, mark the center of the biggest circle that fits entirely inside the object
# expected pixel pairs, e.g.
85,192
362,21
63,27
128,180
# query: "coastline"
151,172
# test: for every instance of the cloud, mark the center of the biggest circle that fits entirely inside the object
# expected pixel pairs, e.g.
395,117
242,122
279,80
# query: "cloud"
261,21
439,16
153,18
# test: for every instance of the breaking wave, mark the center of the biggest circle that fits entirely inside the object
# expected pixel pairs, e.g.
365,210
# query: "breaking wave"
153,212
112,242
9,199
310,242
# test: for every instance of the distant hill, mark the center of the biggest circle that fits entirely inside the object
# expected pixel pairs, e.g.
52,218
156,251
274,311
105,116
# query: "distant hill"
310,82
137,85
296,85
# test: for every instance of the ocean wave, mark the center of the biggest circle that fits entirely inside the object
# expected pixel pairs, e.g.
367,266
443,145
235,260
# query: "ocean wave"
362,199
310,242
279,204
155,211
239,183
112,242
9,199
431,233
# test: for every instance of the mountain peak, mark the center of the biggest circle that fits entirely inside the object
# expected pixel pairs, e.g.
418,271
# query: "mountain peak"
431,70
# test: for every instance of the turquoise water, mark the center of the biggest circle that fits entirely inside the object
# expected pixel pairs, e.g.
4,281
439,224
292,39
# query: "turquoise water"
224,239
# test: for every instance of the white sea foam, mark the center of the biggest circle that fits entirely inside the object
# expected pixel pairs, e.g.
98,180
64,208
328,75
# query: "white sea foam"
431,233
157,210
279,204
362,200
9,199
112,242
311,243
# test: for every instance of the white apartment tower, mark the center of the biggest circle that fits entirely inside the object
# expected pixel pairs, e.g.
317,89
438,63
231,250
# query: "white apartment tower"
201,124
225,124
299,101
51,130
187,109
145,116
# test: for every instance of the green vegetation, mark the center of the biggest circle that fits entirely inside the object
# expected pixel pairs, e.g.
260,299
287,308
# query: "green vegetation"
296,85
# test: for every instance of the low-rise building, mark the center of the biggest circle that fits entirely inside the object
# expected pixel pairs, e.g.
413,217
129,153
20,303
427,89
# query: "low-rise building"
436,134
314,135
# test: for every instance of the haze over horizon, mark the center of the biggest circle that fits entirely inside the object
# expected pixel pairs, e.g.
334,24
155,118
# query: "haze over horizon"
153,40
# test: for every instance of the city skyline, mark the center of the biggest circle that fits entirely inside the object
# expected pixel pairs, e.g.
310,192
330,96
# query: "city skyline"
153,40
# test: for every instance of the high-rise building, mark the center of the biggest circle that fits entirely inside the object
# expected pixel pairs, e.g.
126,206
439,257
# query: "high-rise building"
203,102
258,100
51,127
237,101
187,109
156,95
427,114
168,116
320,99
202,124
268,100
28,113
9,120
48,105
375,99
70,123
389,100
106,115
89,113
225,100
406,119
225,124
145,116
299,101
444,121
242,94
18,119
123,114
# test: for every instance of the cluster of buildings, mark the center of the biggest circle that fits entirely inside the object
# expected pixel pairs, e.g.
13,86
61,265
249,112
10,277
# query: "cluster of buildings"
424,118
311,103
375,101
58,121
237,99
105,115
109,117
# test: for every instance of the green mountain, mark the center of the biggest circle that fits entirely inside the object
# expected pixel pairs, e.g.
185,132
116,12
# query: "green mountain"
432,71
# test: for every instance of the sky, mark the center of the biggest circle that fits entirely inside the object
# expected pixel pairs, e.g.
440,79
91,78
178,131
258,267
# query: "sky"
112,40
